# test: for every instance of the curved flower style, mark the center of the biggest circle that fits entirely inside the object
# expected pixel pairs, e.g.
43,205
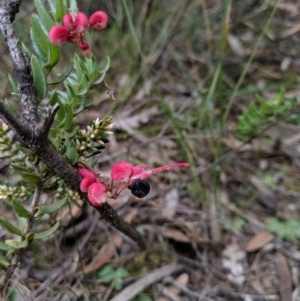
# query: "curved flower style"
123,175
74,28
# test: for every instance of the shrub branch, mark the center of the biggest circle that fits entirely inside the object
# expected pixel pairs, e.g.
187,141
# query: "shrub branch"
33,133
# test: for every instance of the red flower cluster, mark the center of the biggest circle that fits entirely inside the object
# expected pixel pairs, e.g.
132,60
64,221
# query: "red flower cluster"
74,28
123,175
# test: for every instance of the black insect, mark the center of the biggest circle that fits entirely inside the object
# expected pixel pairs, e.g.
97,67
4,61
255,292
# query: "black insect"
139,188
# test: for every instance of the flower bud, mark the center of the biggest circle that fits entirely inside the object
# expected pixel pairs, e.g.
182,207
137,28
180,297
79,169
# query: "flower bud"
68,22
86,183
81,22
85,48
98,20
58,35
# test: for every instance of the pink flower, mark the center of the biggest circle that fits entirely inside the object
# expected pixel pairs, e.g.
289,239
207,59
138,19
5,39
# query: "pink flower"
74,29
84,172
59,35
136,175
122,172
81,22
123,175
98,20
97,194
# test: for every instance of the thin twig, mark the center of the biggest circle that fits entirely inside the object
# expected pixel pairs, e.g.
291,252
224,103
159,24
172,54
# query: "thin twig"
18,254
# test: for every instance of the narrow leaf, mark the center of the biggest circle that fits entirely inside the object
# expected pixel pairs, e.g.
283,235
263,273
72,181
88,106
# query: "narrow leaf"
40,86
20,209
53,57
11,228
60,10
62,76
46,233
11,108
31,178
52,207
19,168
44,16
3,261
4,247
39,38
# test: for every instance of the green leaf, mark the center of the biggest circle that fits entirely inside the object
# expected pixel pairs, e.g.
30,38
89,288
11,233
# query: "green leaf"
39,38
62,76
79,67
53,56
40,86
13,244
46,233
31,178
3,261
4,247
11,228
60,10
11,108
84,85
44,16
72,155
50,188
19,168
13,84
69,120
61,117
51,208
23,244
20,209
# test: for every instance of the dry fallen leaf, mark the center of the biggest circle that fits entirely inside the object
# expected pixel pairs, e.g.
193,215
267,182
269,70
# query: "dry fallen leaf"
284,275
259,240
180,236
170,203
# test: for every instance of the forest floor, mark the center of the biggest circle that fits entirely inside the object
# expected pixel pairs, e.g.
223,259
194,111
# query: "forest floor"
184,74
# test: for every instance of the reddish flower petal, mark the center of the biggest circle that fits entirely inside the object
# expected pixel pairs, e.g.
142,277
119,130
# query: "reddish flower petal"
122,171
86,173
97,194
81,22
140,169
68,22
86,183
58,35
98,20
150,172
85,48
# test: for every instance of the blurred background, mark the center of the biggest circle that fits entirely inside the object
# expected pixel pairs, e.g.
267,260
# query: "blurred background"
213,83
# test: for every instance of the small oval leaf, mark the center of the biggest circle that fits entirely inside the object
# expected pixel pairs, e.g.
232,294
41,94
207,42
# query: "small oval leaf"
11,228
20,209
51,208
46,233
62,76
4,247
3,261
31,178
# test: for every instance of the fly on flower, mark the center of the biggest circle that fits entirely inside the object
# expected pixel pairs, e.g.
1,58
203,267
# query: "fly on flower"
123,175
